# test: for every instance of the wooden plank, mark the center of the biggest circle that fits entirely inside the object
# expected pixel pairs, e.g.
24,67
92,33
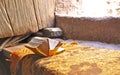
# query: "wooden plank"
47,7
25,16
5,28
22,17
104,30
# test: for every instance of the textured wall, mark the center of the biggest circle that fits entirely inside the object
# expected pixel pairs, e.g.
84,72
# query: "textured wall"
88,8
105,30
89,19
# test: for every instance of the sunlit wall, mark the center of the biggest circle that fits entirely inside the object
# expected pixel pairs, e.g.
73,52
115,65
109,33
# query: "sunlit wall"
89,8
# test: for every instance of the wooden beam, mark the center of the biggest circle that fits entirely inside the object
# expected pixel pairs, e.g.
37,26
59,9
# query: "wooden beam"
25,16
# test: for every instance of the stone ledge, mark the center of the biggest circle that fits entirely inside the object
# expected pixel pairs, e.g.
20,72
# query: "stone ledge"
104,30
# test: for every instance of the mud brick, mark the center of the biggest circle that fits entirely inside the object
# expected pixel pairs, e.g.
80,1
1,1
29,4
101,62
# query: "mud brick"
93,29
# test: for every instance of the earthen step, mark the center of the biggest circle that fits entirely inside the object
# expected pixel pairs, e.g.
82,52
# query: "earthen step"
93,29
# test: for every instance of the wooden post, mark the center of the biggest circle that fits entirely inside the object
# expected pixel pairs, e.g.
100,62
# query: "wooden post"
24,16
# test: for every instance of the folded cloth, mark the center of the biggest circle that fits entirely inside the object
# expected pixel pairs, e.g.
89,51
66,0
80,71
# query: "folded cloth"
17,55
75,60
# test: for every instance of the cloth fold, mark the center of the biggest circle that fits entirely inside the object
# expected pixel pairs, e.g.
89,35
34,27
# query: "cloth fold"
75,60
16,56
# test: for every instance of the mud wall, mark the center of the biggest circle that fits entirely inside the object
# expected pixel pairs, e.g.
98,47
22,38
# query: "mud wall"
89,19
104,30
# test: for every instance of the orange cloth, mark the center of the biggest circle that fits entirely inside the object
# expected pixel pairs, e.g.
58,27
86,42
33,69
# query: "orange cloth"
16,56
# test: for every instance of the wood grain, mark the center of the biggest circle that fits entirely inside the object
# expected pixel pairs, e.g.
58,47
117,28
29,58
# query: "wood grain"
25,16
